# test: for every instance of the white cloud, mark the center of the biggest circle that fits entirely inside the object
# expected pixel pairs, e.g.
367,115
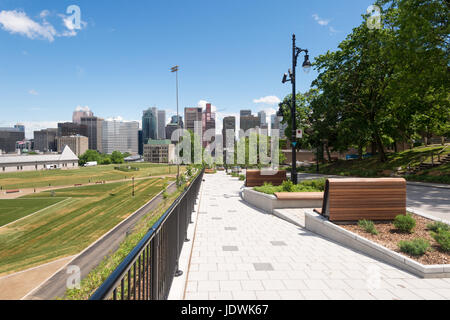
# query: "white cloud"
33,92
333,30
18,22
319,20
269,100
44,13
81,108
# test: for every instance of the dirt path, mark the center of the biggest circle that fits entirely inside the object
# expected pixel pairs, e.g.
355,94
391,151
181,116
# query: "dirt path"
27,191
16,286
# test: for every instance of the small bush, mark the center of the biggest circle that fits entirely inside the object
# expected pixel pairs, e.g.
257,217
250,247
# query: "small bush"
242,177
416,247
165,195
288,186
443,238
436,226
405,223
368,226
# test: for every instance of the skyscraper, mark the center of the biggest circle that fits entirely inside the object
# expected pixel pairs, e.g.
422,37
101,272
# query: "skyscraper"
248,121
208,121
172,126
81,112
161,124
192,115
94,132
229,123
246,113
67,129
150,124
45,140
262,118
9,137
120,136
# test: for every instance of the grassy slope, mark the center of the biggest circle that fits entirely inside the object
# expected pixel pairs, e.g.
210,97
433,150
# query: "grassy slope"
41,178
373,167
98,275
13,209
69,227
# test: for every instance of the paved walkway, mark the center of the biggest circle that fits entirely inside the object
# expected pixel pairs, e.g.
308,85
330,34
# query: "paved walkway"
240,252
17,285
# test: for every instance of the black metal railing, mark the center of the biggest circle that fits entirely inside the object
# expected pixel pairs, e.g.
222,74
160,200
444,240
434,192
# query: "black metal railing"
148,271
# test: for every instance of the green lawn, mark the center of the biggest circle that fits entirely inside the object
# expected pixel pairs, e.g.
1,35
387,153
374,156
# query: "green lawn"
372,167
72,225
14,209
31,179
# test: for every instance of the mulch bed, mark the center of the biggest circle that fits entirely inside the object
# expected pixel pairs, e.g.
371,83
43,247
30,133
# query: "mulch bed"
389,237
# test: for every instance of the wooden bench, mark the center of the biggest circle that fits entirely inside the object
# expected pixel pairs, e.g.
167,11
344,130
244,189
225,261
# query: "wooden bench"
351,200
254,178
299,195
12,191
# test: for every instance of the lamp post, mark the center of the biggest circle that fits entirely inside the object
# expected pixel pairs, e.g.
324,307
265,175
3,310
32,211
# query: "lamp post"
306,67
175,69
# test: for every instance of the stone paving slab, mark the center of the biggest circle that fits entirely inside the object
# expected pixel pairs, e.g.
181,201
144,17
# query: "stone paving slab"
235,258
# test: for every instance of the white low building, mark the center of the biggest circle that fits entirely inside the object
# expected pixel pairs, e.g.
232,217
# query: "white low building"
66,160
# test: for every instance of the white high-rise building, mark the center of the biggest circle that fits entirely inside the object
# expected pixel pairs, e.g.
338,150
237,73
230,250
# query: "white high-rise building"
119,135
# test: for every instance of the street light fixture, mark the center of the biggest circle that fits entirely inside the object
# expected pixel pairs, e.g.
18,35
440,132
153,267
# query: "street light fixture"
306,67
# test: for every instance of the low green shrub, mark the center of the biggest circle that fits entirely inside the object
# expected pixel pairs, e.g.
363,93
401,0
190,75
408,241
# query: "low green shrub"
443,238
436,226
288,186
405,223
304,186
242,177
416,247
368,226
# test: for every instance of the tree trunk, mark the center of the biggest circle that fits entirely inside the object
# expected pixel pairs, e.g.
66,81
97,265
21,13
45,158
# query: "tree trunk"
380,146
328,153
360,151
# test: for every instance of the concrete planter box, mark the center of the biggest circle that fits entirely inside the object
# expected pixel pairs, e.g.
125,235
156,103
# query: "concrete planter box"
269,202
320,225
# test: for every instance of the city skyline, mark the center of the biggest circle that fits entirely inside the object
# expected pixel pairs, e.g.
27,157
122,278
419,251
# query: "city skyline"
86,67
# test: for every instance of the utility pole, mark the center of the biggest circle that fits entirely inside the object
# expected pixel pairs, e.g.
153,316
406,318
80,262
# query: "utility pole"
175,69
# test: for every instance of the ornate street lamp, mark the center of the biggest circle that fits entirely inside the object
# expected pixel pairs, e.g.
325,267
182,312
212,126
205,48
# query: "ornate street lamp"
306,67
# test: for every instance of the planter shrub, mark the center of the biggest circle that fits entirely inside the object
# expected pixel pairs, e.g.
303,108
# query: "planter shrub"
436,226
416,247
368,226
443,238
405,223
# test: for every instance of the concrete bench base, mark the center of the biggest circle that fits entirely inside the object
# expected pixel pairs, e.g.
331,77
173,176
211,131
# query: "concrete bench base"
269,202
320,225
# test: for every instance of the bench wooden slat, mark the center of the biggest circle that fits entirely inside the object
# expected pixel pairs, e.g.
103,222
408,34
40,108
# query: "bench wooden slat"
356,199
299,195
254,178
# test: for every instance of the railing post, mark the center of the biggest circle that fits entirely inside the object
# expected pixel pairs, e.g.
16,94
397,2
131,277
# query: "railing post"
154,269
178,272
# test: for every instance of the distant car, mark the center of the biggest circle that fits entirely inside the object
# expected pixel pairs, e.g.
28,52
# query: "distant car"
91,164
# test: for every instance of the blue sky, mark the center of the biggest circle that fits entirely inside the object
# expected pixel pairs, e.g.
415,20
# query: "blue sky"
231,53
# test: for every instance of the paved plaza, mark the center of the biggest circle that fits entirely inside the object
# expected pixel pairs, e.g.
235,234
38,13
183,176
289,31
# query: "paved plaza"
242,253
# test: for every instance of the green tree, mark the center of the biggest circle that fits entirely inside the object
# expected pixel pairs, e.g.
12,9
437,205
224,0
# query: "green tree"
117,157
89,156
